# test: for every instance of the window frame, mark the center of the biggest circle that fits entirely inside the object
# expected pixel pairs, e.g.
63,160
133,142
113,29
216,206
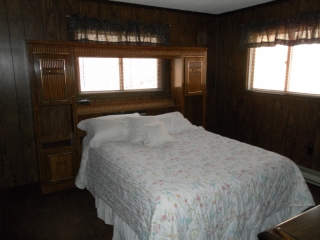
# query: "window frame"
163,90
285,92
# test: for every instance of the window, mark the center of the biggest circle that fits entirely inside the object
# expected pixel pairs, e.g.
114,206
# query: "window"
285,69
102,74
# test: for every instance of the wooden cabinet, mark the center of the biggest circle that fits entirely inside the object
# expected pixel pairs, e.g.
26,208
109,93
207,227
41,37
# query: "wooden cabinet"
194,75
189,85
302,226
58,168
51,79
54,115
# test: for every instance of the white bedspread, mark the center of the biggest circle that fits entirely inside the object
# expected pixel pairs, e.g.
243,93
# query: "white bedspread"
203,186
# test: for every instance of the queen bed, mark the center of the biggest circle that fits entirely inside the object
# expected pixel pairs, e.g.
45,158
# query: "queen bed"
160,177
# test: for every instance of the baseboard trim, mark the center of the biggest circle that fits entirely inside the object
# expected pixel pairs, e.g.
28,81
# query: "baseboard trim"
310,175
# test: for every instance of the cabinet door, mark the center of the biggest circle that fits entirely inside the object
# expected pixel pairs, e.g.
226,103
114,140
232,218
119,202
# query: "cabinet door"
194,75
52,75
57,169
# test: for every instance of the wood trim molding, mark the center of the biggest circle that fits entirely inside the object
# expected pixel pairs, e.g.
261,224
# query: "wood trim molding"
124,106
113,49
194,53
50,49
127,52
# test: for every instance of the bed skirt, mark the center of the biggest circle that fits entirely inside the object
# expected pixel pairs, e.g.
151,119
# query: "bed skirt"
121,230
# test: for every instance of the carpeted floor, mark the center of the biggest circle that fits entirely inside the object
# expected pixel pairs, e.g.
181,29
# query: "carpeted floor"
26,214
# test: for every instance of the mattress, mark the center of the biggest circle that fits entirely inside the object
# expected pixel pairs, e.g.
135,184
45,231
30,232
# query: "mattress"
202,186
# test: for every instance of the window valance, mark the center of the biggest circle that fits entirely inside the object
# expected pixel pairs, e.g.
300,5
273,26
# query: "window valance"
302,29
82,29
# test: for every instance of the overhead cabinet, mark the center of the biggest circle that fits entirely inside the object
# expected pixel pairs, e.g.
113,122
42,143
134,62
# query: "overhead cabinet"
189,85
52,79
195,71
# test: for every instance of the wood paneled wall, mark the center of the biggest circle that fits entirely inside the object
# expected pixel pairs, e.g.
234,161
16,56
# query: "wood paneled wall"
45,20
287,125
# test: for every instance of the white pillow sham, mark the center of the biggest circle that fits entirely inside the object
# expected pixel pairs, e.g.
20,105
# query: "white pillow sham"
156,135
175,122
135,124
111,127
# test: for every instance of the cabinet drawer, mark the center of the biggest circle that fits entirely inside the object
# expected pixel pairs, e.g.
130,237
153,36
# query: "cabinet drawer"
61,166
58,169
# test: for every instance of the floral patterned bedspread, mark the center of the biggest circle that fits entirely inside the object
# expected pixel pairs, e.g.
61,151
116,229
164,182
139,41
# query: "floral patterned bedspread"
203,186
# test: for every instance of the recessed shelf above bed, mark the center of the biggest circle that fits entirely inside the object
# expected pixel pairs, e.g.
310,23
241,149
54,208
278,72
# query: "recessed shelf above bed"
119,106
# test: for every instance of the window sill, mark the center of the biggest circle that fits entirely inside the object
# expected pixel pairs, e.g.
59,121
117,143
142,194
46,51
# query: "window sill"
285,95
121,94
125,106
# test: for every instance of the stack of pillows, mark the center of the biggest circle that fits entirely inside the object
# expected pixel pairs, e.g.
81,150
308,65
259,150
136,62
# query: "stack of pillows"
150,130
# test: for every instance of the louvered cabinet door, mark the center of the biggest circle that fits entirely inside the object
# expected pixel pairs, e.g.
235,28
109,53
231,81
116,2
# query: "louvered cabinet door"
194,75
52,79
195,89
57,168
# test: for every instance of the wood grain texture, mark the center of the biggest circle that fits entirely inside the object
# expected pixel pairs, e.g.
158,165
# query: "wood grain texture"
45,20
173,20
154,16
22,85
193,29
84,9
212,44
61,166
184,29
302,226
55,123
51,19
284,124
125,13
138,14
33,23
94,9
66,7
11,158
113,12
103,13
53,80
306,133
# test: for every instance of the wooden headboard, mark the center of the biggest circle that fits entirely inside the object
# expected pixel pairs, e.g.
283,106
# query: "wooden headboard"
150,107
53,80
145,107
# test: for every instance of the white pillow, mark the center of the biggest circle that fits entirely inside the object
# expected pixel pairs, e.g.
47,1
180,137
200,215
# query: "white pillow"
136,132
100,129
175,122
156,135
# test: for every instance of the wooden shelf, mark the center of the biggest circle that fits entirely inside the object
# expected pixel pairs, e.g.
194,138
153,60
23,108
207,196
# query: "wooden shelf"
58,144
111,107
